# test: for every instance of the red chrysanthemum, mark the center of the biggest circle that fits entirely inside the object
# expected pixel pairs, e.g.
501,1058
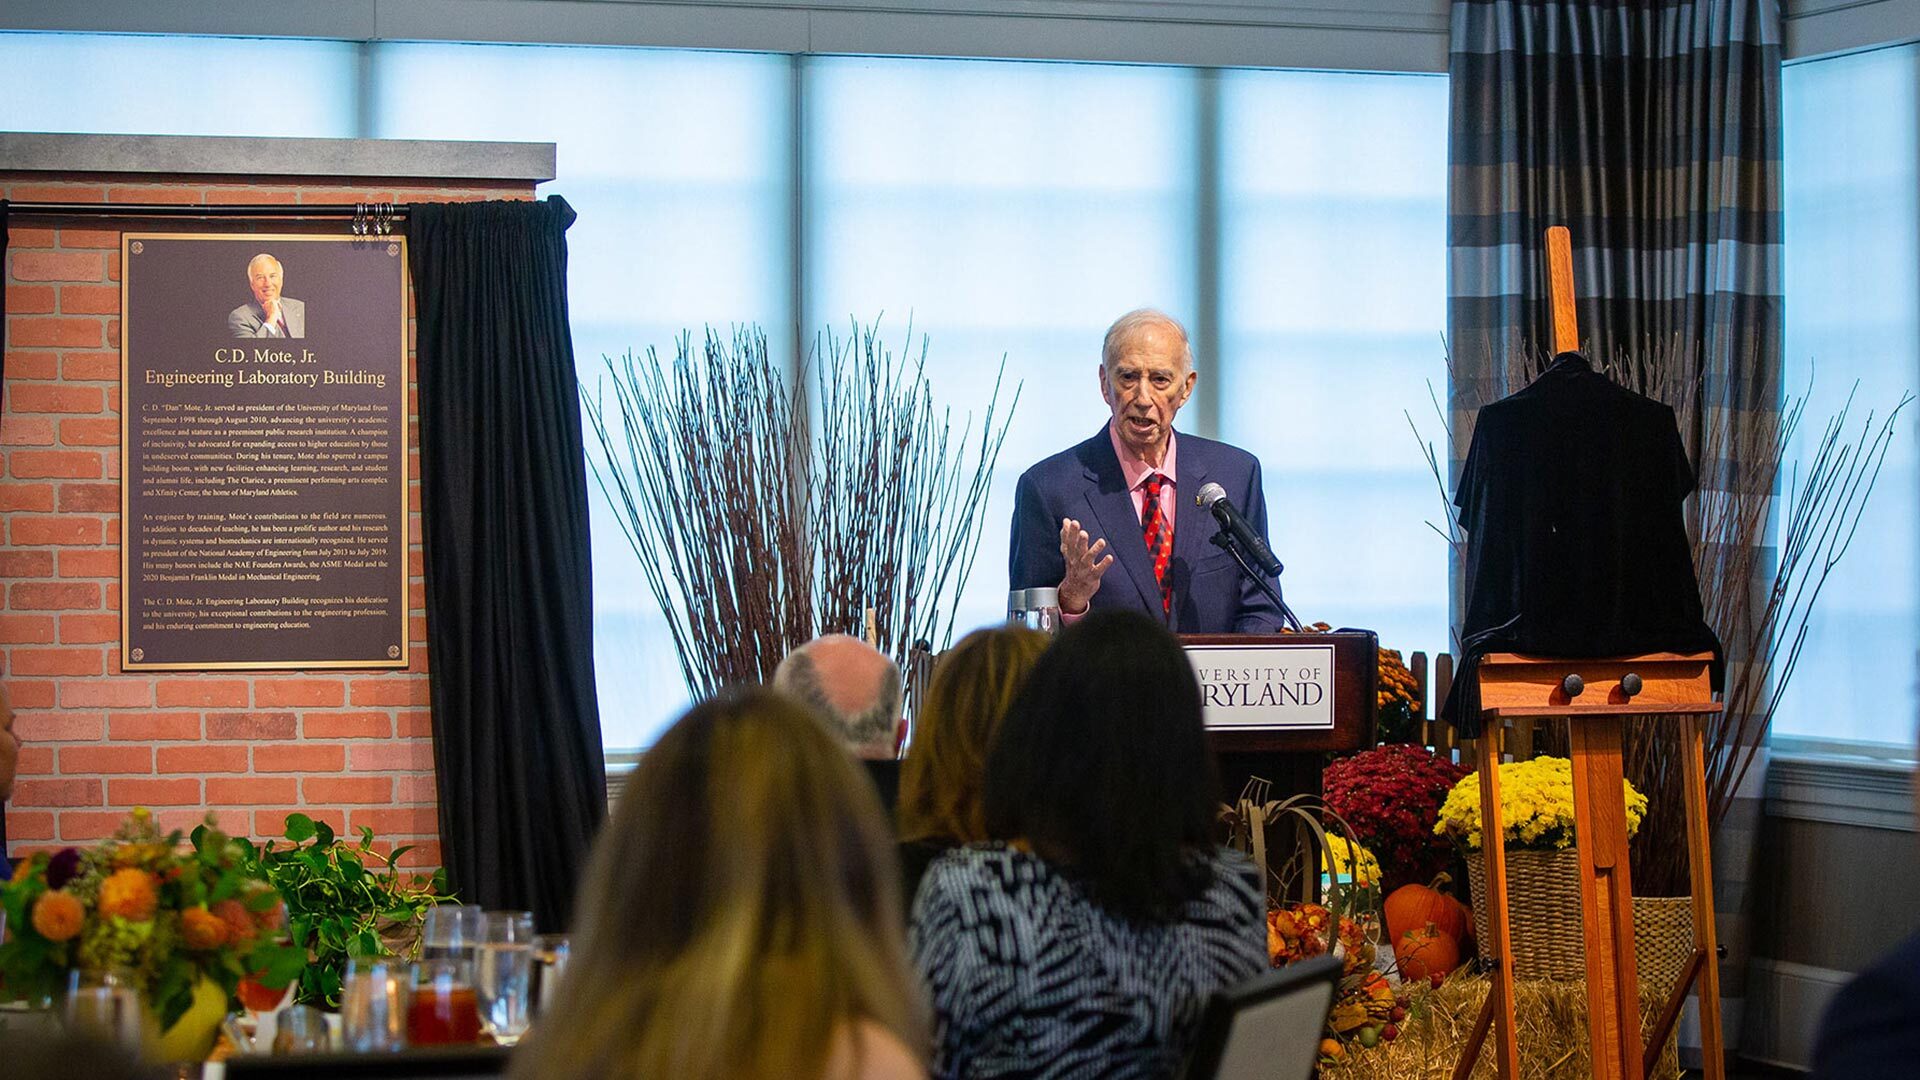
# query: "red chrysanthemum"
1391,798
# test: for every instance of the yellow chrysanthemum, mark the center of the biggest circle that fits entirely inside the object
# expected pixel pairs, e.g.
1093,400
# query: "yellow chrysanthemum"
1536,806
1351,861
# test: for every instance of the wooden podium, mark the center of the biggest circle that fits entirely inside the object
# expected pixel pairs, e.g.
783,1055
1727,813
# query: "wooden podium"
1596,697
1285,746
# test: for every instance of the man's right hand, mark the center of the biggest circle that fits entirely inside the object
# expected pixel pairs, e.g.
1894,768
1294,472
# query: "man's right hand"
1084,566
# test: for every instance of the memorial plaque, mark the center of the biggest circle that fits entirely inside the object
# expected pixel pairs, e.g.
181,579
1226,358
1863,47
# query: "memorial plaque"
263,451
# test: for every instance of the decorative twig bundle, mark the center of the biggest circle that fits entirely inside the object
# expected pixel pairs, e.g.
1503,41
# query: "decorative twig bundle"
762,517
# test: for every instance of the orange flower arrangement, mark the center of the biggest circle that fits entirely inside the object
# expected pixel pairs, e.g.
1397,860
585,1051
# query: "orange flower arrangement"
235,917
58,915
142,904
1397,684
202,929
129,894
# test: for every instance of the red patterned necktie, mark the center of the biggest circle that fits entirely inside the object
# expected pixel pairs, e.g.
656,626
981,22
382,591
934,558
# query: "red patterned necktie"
1159,534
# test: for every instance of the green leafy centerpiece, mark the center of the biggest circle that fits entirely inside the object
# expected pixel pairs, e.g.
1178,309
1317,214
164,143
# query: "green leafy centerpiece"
344,899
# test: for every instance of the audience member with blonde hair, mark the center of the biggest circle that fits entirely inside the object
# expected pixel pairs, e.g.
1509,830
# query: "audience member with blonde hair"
741,916
972,685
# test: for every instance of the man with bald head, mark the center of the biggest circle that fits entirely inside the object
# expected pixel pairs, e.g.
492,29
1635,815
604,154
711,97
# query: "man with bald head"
268,314
1113,522
852,685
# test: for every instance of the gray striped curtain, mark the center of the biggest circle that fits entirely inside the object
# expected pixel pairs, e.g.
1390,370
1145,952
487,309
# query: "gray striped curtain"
1652,131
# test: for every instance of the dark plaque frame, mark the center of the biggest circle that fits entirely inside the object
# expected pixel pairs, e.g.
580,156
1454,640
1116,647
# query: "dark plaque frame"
181,301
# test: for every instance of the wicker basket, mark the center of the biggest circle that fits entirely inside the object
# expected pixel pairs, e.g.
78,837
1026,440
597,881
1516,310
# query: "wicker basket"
1662,940
1543,914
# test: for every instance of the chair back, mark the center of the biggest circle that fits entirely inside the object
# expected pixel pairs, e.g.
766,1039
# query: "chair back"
1268,1027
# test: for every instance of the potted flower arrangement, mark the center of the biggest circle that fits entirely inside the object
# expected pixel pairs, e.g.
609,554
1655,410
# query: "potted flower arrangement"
1543,869
181,920
1396,700
1391,796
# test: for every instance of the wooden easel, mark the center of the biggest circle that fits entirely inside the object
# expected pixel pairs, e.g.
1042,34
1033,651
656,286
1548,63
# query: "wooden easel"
1596,696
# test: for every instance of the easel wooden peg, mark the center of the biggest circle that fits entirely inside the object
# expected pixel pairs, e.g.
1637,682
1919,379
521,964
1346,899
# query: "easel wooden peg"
1566,323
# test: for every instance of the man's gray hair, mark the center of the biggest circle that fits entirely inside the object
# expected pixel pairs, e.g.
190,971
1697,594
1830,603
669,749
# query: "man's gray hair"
1139,319
871,725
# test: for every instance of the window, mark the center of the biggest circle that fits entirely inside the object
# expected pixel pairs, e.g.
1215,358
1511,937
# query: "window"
1333,309
1852,192
677,163
1000,208
119,84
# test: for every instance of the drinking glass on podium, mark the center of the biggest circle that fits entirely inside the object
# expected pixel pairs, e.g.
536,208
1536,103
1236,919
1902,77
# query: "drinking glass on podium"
374,999
550,952
453,933
106,1008
1035,609
1043,610
444,1010
503,973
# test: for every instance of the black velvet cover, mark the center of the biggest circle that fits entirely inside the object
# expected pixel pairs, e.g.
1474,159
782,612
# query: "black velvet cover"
516,727
1571,500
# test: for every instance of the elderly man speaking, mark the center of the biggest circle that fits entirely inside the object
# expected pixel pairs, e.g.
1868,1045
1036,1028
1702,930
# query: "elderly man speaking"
1127,494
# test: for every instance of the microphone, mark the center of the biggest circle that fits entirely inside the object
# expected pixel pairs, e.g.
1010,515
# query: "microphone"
1214,497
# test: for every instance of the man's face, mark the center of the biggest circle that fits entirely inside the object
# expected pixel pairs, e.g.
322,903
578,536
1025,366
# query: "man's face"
1145,386
264,276
9,748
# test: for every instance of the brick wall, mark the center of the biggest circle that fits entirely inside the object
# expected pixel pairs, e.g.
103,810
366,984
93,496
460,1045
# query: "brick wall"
352,749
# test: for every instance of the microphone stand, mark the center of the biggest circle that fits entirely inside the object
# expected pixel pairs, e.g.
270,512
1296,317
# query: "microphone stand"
1224,539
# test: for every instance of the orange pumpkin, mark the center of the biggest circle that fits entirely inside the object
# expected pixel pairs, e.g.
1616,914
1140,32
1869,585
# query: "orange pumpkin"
1411,907
1426,952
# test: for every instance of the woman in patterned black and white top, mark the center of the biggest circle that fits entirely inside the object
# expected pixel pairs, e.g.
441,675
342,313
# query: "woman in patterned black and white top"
1088,943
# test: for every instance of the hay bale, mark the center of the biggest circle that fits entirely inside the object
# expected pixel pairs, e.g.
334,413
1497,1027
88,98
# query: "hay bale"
1550,1016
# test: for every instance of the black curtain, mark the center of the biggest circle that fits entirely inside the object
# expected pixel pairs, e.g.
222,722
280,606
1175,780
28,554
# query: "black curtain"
516,731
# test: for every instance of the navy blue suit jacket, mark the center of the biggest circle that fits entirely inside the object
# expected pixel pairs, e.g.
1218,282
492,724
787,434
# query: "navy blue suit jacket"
1872,1027
1211,594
